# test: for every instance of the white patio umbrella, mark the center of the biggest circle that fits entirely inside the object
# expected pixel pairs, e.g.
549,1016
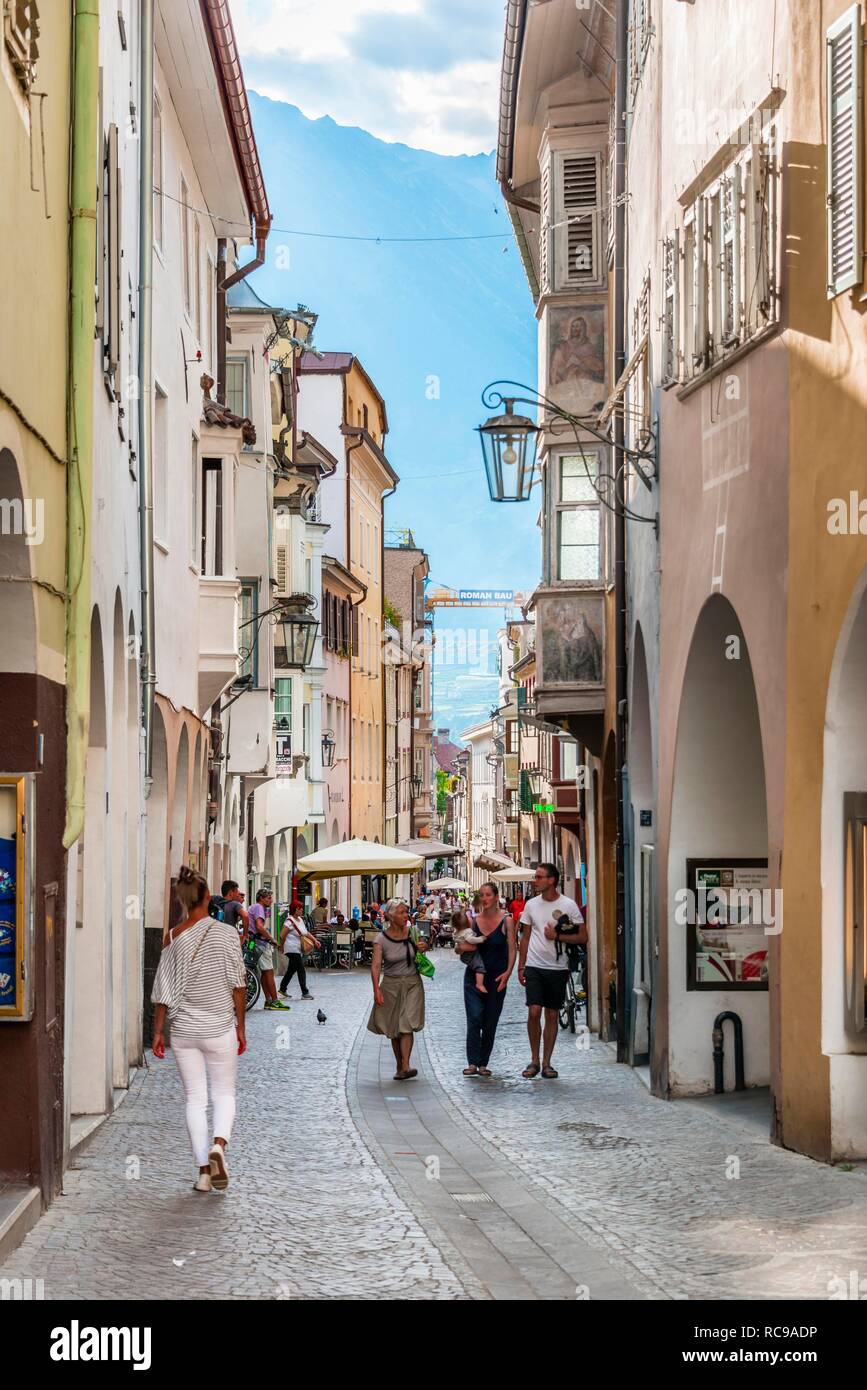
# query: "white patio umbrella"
446,883
515,875
356,857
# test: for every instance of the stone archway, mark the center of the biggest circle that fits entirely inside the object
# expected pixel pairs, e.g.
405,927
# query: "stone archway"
718,813
844,882
91,1023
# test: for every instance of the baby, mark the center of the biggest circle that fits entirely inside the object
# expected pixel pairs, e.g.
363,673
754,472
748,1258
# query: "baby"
466,936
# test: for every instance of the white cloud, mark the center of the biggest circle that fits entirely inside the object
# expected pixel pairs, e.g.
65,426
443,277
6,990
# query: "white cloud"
424,72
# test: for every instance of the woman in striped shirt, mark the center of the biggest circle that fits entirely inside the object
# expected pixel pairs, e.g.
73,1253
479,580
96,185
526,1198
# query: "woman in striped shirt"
200,983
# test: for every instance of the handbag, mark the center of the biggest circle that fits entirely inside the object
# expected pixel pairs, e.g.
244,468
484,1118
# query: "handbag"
308,943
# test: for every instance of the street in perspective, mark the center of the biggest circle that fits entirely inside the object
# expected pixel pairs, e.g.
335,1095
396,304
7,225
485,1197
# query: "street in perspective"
433,580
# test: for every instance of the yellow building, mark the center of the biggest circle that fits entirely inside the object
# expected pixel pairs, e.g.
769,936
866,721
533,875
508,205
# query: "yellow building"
369,478
35,104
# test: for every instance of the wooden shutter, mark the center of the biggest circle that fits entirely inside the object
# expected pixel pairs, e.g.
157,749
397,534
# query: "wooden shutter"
671,307
114,243
729,251
699,284
578,180
281,568
547,237
844,103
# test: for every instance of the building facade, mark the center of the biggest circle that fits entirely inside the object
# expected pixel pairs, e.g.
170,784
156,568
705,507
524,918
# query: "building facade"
714,450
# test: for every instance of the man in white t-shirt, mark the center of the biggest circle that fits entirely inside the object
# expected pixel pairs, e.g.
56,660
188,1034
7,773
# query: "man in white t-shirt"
543,963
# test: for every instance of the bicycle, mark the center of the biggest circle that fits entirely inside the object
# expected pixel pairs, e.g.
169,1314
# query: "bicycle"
251,970
576,994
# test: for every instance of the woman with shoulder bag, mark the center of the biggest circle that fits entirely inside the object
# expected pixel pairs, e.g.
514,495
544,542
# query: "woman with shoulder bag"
398,993
201,985
293,938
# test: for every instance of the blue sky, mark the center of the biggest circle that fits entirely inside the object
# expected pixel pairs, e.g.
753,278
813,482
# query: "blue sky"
425,72
341,89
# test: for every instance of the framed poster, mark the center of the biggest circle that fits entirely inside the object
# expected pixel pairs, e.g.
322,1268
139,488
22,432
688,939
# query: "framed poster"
727,936
16,907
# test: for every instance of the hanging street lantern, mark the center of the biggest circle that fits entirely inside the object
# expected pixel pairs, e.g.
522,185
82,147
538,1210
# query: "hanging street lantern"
415,786
295,632
505,442
328,748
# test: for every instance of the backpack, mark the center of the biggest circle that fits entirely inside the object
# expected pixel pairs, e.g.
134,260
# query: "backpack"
217,908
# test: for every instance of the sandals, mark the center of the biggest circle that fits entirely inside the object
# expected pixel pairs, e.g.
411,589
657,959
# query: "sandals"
532,1070
485,1071
549,1073
471,1071
405,1075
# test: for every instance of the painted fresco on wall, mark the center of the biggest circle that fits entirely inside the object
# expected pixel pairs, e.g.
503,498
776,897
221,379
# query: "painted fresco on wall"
576,346
572,639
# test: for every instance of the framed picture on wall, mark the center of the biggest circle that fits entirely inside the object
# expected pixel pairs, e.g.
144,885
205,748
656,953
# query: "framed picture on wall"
727,914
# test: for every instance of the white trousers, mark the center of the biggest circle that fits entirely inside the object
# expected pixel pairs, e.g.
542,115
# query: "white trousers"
200,1060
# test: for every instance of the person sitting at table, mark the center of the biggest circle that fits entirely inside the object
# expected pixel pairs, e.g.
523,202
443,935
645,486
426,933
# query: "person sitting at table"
338,920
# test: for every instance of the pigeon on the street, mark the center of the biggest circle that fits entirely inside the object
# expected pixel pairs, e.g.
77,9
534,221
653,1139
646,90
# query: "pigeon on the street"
320,1016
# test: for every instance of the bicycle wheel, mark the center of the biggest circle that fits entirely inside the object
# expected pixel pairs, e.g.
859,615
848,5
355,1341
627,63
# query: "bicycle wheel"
254,987
566,1017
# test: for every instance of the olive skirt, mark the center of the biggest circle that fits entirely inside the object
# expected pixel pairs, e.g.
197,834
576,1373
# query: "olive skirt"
402,1010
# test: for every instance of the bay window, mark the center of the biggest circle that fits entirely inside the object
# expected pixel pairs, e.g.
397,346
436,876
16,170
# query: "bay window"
577,533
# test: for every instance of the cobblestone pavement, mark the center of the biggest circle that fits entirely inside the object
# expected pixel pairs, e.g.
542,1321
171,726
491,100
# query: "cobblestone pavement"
582,1186
308,1212
646,1180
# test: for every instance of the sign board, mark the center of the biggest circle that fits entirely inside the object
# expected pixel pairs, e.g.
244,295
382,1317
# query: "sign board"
16,905
543,808
645,818
729,914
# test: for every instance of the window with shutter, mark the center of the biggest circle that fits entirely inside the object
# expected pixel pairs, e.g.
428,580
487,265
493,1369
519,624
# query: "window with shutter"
729,250
113,274
844,117
577,231
671,308
21,35
699,285
281,569
547,240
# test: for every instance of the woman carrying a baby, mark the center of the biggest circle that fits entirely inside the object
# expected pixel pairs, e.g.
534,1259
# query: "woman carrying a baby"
488,945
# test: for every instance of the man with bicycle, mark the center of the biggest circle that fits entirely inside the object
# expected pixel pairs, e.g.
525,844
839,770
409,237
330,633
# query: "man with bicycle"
260,934
543,962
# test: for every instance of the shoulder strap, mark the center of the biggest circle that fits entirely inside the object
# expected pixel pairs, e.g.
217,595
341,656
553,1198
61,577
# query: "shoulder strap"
201,943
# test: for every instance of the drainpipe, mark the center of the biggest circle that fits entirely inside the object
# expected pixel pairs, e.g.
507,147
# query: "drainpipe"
145,367
79,511
221,320
384,724
620,520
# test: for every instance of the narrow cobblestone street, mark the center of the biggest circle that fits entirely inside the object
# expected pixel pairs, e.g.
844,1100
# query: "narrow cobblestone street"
345,1184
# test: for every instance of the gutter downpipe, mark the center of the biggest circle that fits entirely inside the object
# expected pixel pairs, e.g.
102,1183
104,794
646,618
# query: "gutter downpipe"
145,366
79,485
620,523
349,448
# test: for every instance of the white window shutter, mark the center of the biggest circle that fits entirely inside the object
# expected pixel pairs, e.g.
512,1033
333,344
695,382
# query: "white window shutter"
281,568
699,292
671,307
728,250
546,240
577,214
844,116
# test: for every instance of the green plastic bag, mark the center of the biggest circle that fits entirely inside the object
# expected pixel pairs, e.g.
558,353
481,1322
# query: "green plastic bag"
424,966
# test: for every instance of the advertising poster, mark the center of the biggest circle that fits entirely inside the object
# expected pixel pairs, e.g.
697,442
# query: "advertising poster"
731,915
10,943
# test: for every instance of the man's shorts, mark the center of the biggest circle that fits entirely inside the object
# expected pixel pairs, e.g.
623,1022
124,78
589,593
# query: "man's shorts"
546,987
266,960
